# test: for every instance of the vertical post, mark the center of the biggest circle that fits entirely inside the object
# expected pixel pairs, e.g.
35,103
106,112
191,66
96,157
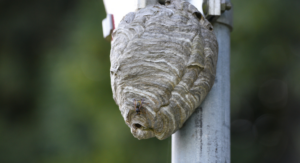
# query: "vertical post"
205,136
144,3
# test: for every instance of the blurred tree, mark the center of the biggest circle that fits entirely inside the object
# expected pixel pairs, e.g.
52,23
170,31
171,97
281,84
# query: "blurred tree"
265,77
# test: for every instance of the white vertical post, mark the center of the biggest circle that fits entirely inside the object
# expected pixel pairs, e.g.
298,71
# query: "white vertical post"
144,3
205,137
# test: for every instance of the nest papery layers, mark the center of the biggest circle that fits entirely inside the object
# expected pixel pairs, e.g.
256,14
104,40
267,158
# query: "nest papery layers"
164,57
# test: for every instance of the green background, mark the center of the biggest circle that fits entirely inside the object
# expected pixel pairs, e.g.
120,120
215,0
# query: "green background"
56,103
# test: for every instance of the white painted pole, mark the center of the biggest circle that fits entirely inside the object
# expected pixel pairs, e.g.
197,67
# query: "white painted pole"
205,137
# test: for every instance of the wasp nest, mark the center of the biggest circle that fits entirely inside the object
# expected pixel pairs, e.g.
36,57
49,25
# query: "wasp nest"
163,64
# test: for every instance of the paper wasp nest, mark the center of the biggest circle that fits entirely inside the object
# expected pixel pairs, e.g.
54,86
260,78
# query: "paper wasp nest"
163,64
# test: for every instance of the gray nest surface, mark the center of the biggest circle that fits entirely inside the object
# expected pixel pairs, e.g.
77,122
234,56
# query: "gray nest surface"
163,64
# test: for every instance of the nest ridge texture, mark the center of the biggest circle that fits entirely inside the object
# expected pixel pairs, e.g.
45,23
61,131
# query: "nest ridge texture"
164,58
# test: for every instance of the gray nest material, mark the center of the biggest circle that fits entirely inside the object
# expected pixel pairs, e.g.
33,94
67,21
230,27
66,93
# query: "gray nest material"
163,64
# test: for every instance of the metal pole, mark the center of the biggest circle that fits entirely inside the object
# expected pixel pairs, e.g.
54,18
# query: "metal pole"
205,137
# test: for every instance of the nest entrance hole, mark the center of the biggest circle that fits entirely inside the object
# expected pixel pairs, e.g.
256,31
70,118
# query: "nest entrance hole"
136,125
164,2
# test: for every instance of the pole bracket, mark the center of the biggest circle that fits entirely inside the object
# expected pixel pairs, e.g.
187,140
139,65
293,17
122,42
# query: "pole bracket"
213,9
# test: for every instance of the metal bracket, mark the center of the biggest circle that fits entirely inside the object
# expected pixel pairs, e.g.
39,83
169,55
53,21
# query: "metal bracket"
214,8
108,26
116,10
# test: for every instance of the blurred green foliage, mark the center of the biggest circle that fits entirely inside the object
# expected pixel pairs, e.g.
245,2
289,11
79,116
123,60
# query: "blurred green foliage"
56,103
265,77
